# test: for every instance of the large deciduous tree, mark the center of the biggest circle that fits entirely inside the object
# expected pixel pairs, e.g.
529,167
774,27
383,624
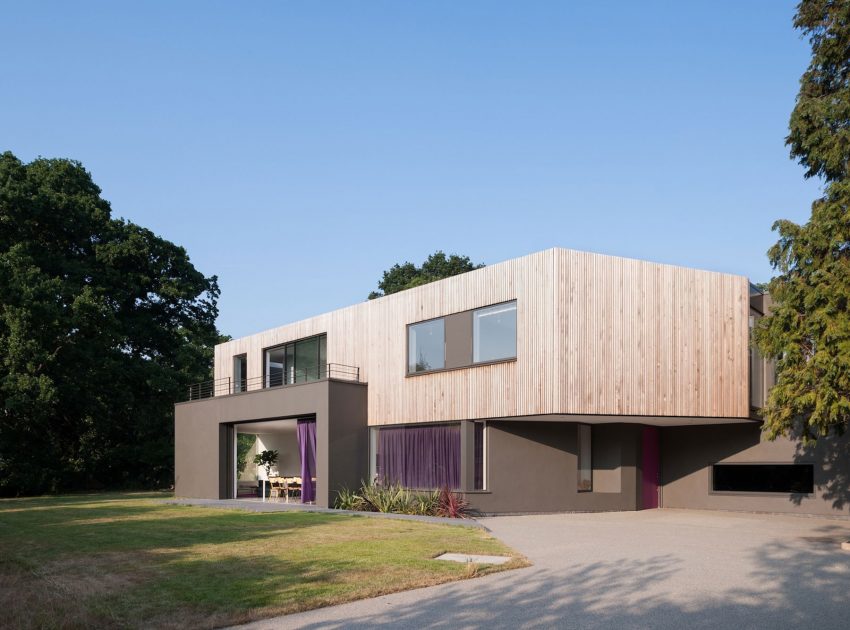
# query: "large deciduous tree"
103,324
436,267
808,330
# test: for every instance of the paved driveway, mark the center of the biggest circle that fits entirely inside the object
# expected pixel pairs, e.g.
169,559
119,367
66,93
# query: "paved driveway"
654,569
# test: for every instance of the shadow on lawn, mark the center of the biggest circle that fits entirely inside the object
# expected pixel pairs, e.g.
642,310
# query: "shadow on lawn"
792,585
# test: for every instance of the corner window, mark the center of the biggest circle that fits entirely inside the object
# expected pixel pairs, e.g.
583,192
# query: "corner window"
426,346
585,470
494,333
781,478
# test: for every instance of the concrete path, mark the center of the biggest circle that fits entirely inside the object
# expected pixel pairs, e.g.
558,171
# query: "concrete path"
653,569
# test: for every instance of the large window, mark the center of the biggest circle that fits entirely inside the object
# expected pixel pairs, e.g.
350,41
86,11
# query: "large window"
494,333
585,469
419,457
782,478
296,362
426,346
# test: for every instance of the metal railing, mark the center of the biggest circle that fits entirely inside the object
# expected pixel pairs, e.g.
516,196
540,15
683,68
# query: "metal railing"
278,378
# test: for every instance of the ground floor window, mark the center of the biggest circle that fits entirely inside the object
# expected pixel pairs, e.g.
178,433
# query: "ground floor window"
419,457
478,447
585,470
784,478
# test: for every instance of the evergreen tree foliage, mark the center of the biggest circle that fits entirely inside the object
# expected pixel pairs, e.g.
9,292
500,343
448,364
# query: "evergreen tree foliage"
103,325
808,329
436,267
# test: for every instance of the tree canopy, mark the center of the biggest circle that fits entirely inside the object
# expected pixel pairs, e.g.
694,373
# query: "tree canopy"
436,267
808,329
103,325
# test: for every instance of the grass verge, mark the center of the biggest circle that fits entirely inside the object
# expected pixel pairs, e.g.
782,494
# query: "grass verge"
128,560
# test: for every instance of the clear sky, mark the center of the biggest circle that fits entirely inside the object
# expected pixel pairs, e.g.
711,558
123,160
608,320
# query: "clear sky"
299,149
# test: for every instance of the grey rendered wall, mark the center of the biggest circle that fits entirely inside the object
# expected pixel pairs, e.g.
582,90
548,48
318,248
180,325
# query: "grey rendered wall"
687,454
348,437
202,444
532,467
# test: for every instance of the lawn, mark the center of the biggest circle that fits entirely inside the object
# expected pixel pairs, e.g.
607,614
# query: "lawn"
130,560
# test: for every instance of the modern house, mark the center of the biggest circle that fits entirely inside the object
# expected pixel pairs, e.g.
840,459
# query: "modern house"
558,381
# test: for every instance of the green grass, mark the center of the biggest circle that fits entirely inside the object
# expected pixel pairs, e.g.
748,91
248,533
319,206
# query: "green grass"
129,560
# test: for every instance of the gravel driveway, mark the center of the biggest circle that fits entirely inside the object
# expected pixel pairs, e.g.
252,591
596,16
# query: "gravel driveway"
653,569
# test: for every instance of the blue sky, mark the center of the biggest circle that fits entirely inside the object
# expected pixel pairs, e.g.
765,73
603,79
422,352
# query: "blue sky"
299,149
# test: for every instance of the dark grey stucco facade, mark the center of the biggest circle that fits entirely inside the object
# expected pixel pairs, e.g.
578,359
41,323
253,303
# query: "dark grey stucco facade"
203,435
532,467
688,453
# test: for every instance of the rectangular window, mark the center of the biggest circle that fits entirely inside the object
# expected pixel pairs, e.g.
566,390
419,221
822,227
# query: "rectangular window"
479,446
419,457
585,469
240,373
297,362
781,478
494,333
426,346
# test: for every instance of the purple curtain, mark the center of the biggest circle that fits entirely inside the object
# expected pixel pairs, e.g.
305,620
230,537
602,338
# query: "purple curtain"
307,448
420,457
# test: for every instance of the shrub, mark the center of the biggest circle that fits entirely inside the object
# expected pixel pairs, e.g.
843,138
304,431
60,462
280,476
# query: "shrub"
452,505
393,498
396,499
426,503
349,500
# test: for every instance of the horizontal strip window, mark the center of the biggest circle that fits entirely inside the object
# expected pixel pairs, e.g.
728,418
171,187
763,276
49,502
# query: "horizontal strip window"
778,478
460,340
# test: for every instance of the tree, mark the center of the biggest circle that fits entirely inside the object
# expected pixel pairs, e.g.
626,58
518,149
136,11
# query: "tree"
103,325
436,267
807,331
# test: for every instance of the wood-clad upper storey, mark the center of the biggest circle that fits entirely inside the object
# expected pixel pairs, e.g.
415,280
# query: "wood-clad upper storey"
595,335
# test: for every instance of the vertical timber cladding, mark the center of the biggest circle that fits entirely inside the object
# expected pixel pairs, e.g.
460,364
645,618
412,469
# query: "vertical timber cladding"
640,338
595,335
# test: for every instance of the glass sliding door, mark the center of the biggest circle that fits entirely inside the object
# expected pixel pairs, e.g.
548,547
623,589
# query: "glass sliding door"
297,362
275,360
307,360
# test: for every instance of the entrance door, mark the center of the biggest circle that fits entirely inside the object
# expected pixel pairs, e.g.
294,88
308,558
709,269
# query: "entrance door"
651,468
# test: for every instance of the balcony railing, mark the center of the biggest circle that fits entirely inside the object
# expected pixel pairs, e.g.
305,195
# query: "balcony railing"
227,386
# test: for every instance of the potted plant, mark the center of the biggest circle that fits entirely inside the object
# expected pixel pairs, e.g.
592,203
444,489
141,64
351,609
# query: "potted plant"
266,459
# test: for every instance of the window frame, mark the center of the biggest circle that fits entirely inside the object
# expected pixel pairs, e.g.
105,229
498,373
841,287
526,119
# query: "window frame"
407,347
760,493
240,384
579,460
283,346
474,311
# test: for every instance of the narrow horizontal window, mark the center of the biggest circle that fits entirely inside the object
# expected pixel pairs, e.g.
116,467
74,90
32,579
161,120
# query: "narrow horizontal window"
494,333
782,478
426,346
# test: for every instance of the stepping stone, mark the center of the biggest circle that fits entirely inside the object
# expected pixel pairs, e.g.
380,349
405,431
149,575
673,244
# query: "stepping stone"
467,558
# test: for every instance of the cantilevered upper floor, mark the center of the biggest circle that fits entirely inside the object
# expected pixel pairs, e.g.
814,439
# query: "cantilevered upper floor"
559,332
